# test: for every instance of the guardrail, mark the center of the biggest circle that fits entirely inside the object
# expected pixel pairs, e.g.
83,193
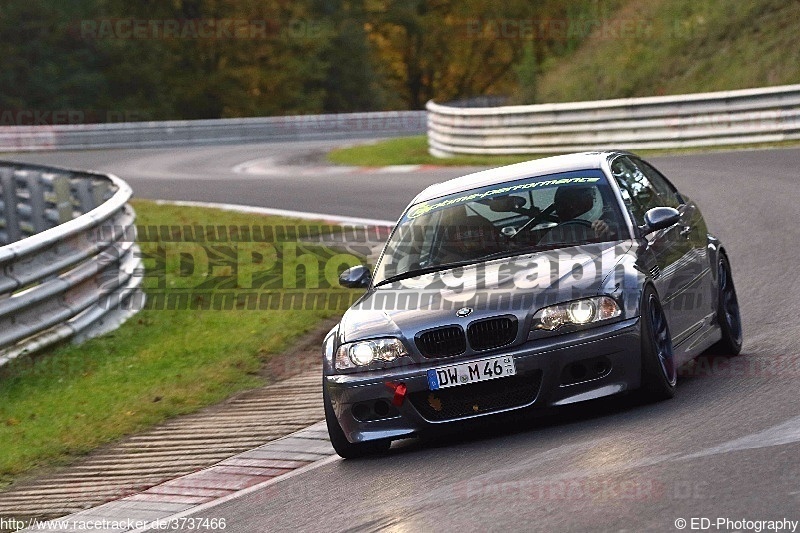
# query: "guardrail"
769,114
203,132
69,265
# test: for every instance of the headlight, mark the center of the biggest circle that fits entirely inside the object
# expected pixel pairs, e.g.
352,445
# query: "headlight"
576,313
363,353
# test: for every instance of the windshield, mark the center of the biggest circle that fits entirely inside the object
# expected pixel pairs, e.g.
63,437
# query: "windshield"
522,216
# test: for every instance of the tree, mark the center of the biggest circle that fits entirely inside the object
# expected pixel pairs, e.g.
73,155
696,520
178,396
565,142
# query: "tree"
46,67
303,56
440,49
351,81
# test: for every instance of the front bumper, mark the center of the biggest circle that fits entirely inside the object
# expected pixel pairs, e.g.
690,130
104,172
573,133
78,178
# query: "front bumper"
545,378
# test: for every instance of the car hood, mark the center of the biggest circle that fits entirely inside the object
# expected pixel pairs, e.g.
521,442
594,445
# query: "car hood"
518,285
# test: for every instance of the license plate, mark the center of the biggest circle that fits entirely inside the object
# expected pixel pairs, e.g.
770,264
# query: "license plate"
466,373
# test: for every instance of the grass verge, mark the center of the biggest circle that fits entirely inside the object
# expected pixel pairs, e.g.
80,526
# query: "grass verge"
414,151
679,47
161,363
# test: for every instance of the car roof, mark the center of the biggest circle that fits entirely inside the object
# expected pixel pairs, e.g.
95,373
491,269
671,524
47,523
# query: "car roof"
527,169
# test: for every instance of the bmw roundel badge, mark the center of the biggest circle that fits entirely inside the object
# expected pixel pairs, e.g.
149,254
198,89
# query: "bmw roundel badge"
464,311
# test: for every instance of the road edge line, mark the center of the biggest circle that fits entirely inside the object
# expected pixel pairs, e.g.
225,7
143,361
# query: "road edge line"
303,215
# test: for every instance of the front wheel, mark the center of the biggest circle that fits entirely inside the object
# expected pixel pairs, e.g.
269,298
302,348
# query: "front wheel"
659,373
342,446
728,318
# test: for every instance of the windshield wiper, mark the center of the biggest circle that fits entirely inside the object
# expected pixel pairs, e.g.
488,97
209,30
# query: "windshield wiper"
447,266
427,270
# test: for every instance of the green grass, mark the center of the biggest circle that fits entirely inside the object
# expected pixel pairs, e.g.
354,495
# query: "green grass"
413,151
57,405
677,47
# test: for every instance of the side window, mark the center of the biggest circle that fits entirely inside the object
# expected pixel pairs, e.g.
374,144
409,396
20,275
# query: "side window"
664,188
637,192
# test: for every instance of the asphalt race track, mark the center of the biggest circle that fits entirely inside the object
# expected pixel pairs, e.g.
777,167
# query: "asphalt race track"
728,445
206,174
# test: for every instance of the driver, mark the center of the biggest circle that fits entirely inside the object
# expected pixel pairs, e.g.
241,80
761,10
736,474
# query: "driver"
572,201
467,236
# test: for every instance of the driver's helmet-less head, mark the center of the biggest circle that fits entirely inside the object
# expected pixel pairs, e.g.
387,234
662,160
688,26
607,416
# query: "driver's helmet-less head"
573,201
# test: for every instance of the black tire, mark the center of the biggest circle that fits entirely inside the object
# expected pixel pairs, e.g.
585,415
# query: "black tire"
343,447
728,316
659,372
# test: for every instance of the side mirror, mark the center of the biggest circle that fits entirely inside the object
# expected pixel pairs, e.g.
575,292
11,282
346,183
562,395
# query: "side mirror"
355,277
660,218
